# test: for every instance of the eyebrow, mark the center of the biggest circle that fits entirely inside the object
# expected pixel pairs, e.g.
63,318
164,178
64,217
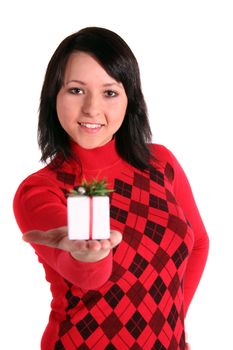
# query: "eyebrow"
75,81
82,83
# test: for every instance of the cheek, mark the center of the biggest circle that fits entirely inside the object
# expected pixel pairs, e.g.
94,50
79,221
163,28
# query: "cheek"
124,107
60,107
117,120
59,99
65,109
121,114
118,112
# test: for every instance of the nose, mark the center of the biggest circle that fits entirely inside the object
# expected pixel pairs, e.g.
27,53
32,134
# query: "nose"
92,105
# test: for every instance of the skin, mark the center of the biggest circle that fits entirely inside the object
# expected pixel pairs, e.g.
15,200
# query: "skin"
86,251
91,106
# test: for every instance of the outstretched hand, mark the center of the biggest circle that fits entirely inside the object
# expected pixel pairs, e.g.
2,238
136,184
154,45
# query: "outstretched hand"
86,251
187,345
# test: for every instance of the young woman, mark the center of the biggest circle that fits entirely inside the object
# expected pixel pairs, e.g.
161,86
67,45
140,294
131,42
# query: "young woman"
133,290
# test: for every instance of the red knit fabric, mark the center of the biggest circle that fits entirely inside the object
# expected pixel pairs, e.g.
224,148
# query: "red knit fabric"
137,297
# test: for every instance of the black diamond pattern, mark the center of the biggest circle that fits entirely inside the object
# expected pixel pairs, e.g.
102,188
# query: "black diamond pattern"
87,326
172,317
158,289
154,231
136,325
114,295
158,346
138,265
65,326
110,347
118,214
72,300
181,253
83,347
182,341
59,346
158,203
157,176
123,188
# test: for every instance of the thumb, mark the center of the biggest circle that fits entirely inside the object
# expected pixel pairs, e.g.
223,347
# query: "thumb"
50,237
34,236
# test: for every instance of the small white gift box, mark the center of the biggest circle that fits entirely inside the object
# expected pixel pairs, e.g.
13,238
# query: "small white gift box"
88,217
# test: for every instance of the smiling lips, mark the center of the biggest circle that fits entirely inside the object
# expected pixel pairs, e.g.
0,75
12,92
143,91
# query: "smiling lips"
91,127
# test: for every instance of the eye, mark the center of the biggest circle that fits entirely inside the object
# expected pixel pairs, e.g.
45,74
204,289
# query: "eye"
76,91
110,93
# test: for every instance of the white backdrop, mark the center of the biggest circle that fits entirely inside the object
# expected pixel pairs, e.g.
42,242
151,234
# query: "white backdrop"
185,52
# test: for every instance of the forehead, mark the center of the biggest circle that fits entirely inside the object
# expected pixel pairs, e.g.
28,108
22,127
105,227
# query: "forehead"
84,64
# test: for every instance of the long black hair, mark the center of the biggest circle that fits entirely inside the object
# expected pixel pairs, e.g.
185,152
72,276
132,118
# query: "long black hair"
119,62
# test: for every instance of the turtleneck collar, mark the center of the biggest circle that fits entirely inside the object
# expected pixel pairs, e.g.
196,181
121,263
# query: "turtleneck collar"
97,158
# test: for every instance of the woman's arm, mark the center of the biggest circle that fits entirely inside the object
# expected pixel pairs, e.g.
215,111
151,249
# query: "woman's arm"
41,213
198,257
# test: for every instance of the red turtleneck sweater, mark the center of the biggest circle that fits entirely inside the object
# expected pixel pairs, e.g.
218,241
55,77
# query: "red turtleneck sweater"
137,297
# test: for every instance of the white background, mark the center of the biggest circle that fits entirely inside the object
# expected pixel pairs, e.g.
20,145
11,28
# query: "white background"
184,49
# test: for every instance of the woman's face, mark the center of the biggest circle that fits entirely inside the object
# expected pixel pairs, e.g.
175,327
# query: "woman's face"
91,105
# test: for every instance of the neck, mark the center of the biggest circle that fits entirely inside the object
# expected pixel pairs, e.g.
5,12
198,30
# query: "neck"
96,158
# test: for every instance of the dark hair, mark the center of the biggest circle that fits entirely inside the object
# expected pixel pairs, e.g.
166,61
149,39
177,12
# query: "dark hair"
117,59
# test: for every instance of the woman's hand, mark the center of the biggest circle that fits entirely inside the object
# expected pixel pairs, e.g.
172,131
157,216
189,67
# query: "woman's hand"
187,345
86,251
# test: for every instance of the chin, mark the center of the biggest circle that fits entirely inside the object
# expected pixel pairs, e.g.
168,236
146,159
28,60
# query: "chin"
91,145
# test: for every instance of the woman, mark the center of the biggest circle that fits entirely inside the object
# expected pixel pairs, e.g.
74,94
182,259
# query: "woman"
133,290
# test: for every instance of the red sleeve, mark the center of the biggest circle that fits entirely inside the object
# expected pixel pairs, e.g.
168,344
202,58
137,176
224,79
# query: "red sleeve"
198,257
39,204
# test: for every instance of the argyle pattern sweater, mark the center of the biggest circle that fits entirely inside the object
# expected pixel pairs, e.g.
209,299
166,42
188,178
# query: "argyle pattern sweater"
136,297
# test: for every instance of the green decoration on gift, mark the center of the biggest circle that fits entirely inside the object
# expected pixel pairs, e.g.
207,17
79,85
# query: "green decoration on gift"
93,188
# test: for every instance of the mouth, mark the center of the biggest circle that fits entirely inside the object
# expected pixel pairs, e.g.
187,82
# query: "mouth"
90,128
91,125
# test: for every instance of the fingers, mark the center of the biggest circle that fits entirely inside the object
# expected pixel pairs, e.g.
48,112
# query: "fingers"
187,345
105,244
94,245
98,245
115,238
57,238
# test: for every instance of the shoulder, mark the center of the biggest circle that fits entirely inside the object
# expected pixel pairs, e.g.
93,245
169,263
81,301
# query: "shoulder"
160,152
40,178
165,161
36,191
163,157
